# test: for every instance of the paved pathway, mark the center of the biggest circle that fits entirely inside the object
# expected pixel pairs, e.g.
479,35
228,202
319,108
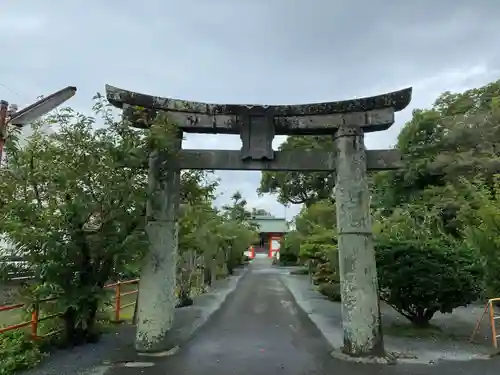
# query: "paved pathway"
261,330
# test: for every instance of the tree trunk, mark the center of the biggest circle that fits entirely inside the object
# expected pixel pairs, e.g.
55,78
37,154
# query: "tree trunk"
422,317
208,271
207,275
91,332
213,271
358,272
69,318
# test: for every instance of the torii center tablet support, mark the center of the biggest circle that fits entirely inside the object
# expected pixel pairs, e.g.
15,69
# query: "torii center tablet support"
346,121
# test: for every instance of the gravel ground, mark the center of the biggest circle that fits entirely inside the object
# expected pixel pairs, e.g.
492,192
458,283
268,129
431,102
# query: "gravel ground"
460,323
87,359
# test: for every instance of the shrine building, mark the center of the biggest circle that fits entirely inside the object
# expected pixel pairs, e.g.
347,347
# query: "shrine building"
271,230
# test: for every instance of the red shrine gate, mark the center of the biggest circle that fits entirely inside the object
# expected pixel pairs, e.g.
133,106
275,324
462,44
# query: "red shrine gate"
273,248
271,231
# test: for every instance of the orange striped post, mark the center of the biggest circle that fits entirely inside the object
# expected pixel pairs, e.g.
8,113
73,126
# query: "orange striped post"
492,322
490,305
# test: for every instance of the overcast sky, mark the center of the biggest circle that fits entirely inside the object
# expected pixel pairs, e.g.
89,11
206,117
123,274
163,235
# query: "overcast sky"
249,51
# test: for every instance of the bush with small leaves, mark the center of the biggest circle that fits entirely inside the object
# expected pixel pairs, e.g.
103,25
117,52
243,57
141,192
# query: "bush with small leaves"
331,291
420,278
18,353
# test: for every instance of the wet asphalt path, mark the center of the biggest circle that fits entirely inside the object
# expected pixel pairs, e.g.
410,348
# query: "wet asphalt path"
258,330
261,330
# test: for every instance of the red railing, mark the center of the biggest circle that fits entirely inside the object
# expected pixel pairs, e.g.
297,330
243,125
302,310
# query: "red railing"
35,314
118,296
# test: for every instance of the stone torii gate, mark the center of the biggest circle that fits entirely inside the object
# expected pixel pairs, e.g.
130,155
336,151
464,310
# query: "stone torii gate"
346,121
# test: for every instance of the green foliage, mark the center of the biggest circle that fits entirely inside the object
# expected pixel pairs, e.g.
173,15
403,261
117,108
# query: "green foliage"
420,278
76,211
290,248
260,212
237,211
74,204
456,138
331,291
299,187
482,232
436,221
210,241
320,252
442,208
237,233
317,229
18,353
317,216
421,268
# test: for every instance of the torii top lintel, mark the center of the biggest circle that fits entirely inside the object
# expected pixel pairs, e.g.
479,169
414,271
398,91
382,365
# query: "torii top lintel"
373,113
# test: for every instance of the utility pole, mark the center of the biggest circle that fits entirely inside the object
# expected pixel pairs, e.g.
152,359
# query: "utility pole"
30,113
3,126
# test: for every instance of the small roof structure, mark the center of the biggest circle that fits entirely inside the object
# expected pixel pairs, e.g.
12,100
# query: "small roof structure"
270,224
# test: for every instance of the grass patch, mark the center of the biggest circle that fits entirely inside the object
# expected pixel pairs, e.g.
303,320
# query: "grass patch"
11,317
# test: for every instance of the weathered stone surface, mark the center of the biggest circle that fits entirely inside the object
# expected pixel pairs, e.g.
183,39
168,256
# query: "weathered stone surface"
358,271
371,121
300,161
257,134
397,100
374,120
374,112
157,287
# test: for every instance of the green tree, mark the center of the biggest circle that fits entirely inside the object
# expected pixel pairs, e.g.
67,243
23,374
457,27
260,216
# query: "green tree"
457,137
260,212
439,210
298,187
481,230
75,211
237,210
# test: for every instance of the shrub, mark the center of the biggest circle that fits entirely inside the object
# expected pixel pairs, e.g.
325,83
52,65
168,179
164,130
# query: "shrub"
482,231
300,271
288,259
331,291
290,248
320,251
18,353
420,278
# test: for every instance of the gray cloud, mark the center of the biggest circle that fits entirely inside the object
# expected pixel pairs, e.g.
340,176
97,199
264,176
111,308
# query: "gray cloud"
251,51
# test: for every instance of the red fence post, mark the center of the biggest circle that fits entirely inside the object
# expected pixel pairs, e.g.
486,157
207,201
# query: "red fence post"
34,320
